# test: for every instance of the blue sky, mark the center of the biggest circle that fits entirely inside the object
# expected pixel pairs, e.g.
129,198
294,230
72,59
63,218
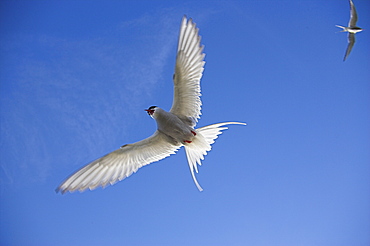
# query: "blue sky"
76,77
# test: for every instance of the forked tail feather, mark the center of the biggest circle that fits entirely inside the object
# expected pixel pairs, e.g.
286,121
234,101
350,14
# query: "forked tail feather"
344,29
201,144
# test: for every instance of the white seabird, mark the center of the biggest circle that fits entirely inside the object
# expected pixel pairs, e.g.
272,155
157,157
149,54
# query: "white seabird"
175,128
352,29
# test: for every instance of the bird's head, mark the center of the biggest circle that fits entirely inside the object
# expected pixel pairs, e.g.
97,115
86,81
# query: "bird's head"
151,110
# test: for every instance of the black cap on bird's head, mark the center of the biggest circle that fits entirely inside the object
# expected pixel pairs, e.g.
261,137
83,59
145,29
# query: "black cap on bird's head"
151,110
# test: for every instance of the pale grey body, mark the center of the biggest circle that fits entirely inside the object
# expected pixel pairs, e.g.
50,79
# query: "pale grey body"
178,130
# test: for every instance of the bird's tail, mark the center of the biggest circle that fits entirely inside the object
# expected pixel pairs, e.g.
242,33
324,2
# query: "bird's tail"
343,27
201,144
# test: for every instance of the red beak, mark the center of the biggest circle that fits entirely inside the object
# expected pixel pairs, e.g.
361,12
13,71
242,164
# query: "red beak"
150,111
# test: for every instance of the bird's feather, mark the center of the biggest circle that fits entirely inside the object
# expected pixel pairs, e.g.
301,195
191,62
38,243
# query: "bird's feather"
201,144
353,18
120,163
188,72
351,42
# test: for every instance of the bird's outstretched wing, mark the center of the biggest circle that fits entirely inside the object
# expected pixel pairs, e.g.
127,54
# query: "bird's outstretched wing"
188,72
351,42
120,163
353,18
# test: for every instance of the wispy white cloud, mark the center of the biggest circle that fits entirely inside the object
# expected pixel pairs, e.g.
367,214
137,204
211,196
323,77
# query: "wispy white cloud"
85,87
62,97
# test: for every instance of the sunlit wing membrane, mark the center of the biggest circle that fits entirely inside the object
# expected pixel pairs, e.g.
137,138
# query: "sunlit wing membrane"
353,19
351,42
188,72
119,164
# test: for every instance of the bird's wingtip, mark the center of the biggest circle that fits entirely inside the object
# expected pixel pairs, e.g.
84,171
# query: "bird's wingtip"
60,190
57,190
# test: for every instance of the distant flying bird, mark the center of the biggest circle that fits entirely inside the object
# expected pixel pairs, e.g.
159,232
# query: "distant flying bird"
352,29
174,128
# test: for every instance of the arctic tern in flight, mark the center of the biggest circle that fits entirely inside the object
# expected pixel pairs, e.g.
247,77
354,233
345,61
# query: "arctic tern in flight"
174,128
352,29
